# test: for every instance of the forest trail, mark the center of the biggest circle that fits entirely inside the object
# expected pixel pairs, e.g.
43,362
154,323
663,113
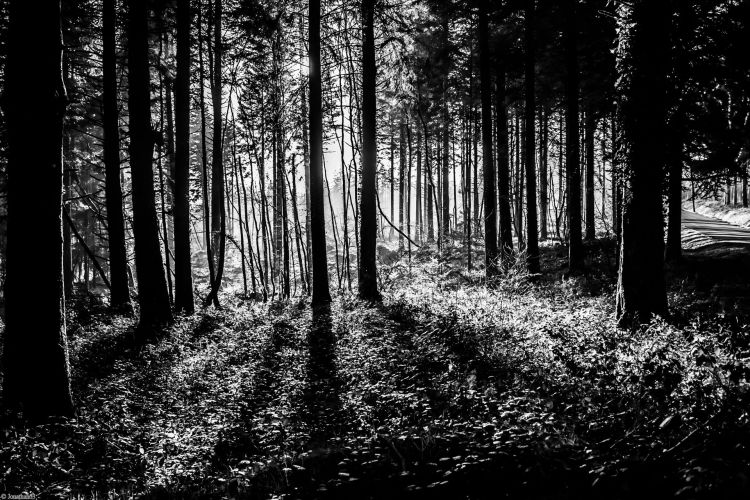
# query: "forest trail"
699,232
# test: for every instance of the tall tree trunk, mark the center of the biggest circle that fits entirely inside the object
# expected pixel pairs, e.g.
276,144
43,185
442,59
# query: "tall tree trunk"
321,295
642,56
505,237
67,241
673,251
118,263
401,182
218,206
35,356
572,146
153,296
589,129
183,299
488,164
543,172
532,229
368,284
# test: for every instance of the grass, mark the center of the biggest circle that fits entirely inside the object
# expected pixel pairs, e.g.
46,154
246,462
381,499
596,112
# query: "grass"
450,388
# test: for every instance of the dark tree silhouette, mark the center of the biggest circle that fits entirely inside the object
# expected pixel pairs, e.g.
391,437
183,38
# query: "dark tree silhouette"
183,298
642,59
488,163
532,225
35,356
320,293
218,205
505,237
118,264
588,134
153,296
368,283
572,144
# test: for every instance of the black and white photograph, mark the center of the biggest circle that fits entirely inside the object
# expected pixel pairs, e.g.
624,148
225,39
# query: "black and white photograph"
375,249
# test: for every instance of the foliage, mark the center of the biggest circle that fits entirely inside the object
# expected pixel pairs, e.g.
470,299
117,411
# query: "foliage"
524,388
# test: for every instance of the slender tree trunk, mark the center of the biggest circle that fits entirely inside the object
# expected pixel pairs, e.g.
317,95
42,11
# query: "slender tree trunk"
642,57
368,284
321,295
35,355
590,128
673,251
153,296
118,264
218,204
182,256
543,173
572,147
488,164
505,237
532,229
67,242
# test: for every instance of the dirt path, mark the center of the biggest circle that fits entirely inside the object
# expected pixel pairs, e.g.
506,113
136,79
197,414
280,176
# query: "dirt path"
699,232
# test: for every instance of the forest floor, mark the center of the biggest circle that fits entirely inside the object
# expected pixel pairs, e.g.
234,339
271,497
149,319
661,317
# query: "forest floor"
449,389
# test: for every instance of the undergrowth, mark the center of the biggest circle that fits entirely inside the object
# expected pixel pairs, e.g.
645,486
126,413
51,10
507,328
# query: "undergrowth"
453,387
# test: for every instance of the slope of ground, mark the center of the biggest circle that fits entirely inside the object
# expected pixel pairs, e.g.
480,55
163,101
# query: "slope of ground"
523,389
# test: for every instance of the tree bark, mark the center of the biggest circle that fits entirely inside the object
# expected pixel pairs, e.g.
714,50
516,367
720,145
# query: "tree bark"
588,134
532,225
118,264
321,294
153,296
183,299
35,355
488,163
505,237
572,160
368,284
642,56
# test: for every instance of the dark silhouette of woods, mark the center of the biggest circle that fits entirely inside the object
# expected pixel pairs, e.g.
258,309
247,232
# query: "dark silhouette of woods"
374,249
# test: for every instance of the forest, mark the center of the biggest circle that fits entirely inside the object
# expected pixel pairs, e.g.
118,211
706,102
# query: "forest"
287,249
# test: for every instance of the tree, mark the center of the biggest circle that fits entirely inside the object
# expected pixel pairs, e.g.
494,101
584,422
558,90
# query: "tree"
532,225
35,356
153,296
588,134
118,264
572,145
320,293
183,299
218,206
505,237
642,58
488,164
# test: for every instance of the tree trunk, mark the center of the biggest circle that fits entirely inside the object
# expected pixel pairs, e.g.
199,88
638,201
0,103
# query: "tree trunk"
368,283
543,172
153,296
118,263
642,58
321,295
590,128
505,238
575,249
218,208
532,227
182,256
35,355
488,164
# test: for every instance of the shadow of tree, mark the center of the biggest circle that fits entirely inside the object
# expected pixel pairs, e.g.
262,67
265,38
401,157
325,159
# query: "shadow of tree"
322,401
